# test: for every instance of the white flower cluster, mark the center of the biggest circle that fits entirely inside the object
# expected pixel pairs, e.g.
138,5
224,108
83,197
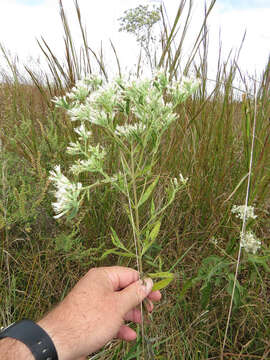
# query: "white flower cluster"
181,90
80,91
86,112
248,239
190,84
67,193
93,102
182,179
106,96
214,240
250,242
83,132
240,210
80,112
177,182
74,148
92,164
130,129
84,165
61,101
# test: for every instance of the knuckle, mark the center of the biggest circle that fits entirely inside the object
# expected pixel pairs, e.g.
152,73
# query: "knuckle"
140,292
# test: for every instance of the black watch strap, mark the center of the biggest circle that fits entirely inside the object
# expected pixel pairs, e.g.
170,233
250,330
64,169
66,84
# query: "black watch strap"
34,337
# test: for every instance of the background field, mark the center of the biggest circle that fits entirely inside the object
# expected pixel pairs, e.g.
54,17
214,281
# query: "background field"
210,143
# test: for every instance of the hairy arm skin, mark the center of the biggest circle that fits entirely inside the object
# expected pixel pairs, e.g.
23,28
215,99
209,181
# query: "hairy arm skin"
91,315
11,349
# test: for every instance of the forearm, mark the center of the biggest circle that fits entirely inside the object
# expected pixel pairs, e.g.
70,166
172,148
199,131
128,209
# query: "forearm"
61,331
90,316
11,349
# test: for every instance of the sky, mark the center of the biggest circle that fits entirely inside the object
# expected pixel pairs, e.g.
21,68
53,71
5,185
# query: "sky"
22,22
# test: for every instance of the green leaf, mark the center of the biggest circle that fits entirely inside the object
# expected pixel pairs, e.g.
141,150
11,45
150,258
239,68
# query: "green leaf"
127,105
148,192
146,170
116,252
171,196
261,260
166,277
125,166
150,262
187,285
153,235
3,222
152,207
206,291
161,284
212,266
155,231
116,241
237,290
162,275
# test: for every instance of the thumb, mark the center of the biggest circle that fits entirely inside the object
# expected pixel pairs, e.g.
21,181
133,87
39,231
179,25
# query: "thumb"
135,293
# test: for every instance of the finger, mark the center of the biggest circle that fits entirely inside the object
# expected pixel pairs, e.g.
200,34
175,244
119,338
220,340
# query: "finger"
120,277
149,305
154,295
134,294
126,333
133,315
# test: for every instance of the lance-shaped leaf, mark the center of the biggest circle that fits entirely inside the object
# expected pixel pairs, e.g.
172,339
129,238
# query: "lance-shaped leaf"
148,192
161,284
116,252
152,237
171,196
152,207
116,241
166,277
161,275
261,260
125,165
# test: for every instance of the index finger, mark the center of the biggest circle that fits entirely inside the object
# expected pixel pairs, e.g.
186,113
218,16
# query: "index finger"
120,277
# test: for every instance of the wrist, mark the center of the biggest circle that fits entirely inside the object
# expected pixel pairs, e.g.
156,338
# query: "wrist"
28,334
60,336
67,332
54,335
11,349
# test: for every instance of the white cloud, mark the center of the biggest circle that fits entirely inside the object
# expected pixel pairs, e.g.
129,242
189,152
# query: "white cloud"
233,23
244,4
20,25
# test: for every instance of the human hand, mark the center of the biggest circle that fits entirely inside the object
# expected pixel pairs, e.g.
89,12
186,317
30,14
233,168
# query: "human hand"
94,311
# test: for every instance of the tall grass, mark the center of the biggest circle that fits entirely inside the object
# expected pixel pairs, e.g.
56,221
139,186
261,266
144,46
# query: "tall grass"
41,258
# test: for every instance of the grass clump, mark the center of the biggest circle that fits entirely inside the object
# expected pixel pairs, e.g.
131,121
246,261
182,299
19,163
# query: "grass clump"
130,166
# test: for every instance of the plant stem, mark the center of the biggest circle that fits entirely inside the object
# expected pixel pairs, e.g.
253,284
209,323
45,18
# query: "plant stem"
137,220
137,234
243,225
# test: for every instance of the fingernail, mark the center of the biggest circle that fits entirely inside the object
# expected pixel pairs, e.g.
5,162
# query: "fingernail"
148,284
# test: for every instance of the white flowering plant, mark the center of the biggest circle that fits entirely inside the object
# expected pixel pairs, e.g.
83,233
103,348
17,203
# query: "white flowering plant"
215,271
133,115
248,239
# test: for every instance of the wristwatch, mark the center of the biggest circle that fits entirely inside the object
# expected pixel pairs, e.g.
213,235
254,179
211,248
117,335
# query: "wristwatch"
34,337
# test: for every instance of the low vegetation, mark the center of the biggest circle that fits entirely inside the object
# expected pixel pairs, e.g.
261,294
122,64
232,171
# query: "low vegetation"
173,192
